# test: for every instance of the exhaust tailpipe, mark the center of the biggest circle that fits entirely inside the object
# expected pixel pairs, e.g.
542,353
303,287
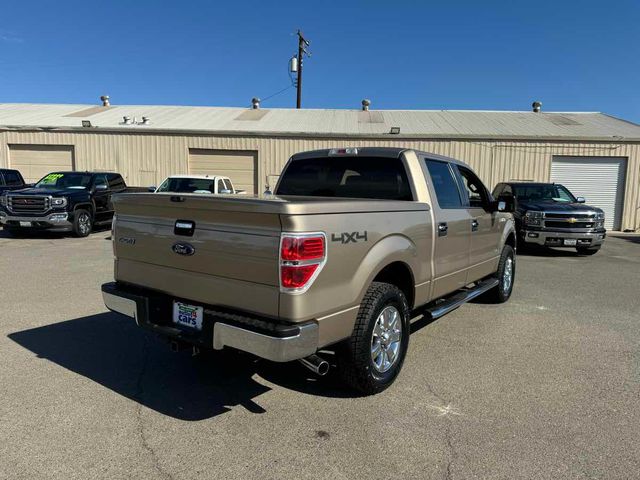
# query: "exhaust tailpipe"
316,364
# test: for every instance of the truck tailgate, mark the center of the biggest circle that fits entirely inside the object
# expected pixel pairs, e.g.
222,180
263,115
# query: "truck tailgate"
234,261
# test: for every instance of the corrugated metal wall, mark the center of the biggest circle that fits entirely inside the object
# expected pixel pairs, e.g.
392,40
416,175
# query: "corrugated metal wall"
146,159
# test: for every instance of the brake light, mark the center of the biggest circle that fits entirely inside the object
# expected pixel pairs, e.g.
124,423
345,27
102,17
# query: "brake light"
302,248
302,256
343,151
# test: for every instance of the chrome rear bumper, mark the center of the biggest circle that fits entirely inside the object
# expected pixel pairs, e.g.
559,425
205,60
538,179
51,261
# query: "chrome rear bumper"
302,342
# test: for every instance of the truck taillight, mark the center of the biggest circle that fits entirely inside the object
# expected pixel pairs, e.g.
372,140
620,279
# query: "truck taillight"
302,256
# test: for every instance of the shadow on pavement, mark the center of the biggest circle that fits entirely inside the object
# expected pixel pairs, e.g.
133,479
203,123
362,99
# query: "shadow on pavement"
547,252
47,235
628,238
114,352
32,234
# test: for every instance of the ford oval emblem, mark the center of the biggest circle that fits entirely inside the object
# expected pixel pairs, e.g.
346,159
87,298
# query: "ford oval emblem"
183,249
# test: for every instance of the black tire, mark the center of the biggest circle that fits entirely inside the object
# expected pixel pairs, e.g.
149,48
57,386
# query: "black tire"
501,293
82,223
587,250
355,363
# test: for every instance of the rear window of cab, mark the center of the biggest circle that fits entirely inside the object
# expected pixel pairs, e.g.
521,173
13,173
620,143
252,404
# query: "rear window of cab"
346,177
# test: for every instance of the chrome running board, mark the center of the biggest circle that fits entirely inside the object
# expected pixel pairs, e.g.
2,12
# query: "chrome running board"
457,299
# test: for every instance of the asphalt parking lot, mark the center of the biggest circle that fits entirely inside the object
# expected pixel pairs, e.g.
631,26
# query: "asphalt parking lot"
546,386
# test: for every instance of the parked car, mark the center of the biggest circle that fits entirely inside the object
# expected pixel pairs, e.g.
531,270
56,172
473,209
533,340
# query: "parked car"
352,242
205,184
10,180
549,215
63,201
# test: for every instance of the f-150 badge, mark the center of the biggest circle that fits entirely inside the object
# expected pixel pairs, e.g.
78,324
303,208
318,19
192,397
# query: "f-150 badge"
349,237
183,249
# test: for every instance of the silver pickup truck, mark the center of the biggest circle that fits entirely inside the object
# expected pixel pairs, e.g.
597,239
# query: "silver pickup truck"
353,242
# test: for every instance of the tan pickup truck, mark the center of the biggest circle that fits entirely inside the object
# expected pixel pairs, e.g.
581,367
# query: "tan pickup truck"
350,246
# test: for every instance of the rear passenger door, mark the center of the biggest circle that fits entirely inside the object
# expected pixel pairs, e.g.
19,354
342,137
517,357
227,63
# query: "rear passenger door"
453,229
485,225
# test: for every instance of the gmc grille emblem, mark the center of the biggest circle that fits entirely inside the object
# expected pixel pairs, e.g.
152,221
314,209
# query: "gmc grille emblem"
183,249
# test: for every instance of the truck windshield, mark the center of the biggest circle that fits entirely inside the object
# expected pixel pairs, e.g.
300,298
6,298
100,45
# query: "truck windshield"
187,185
551,193
65,180
351,177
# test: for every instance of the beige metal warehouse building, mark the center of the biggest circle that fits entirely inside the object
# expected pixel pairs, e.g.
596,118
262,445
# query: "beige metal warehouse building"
597,156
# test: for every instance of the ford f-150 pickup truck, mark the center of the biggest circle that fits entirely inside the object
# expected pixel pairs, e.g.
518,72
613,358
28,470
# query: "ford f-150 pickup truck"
549,215
63,201
351,244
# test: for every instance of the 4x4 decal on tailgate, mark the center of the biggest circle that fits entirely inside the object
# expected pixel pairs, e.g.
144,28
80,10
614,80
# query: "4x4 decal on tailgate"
349,237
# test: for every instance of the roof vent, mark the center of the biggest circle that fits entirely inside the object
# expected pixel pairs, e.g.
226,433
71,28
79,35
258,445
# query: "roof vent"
126,120
537,106
105,100
255,103
365,104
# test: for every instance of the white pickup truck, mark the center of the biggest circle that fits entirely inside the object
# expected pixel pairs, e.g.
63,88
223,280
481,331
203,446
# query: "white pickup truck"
205,184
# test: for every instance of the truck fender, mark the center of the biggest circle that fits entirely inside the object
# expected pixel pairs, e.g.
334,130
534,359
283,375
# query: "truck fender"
388,250
85,206
509,229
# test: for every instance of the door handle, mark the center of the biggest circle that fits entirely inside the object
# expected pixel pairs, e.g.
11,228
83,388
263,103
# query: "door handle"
442,229
474,225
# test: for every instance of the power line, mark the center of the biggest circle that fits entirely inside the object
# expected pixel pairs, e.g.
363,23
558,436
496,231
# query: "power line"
275,94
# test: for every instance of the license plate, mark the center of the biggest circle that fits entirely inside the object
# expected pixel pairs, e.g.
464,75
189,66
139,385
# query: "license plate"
187,315
25,224
570,242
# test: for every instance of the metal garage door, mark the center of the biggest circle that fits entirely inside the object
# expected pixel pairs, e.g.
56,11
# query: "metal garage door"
598,179
239,165
35,161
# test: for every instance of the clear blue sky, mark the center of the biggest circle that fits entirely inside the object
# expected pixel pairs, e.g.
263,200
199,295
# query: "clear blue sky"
572,55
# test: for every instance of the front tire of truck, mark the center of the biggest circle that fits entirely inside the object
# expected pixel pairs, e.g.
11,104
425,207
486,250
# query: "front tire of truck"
371,359
506,275
82,223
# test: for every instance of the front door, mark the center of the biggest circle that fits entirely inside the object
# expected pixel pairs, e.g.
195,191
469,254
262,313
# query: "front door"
102,198
452,223
485,226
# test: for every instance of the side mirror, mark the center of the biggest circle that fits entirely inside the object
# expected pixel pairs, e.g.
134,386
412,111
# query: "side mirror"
580,200
152,188
101,188
504,204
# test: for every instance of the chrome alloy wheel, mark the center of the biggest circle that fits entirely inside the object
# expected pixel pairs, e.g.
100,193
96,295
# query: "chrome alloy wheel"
84,223
386,339
507,275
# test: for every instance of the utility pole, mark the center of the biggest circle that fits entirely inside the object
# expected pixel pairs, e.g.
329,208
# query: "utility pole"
302,51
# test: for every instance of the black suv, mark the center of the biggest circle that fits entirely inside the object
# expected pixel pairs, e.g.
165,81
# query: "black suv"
62,201
548,214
